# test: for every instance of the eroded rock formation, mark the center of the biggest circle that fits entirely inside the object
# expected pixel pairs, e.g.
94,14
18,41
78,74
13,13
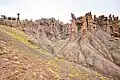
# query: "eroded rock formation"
110,25
93,42
92,48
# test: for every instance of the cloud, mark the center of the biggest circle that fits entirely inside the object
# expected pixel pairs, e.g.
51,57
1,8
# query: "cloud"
60,9
36,9
5,2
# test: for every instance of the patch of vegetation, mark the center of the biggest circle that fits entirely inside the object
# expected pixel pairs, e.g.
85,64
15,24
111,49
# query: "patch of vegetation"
20,36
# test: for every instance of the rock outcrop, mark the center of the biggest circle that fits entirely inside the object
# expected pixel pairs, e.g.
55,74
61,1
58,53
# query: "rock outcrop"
92,48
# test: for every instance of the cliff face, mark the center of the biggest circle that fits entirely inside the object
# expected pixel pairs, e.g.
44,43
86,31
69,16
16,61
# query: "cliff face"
97,46
98,51
91,42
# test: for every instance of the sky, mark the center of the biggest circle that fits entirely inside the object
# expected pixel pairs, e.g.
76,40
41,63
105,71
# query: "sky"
59,9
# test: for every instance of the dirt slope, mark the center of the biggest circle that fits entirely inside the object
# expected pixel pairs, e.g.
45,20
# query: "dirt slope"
21,60
18,63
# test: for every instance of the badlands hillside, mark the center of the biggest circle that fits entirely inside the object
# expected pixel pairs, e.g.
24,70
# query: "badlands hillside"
88,48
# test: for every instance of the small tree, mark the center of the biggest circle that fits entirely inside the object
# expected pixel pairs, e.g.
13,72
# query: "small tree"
18,18
9,18
3,16
13,18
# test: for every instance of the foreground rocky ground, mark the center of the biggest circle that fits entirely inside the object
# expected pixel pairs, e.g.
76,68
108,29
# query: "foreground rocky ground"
17,62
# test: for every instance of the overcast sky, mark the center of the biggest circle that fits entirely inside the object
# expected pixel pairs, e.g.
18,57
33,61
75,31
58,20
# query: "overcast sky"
59,9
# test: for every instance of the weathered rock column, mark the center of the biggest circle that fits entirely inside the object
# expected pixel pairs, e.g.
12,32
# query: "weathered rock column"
110,24
84,28
73,28
116,24
90,21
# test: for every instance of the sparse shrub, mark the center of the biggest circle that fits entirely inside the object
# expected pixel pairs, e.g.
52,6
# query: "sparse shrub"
9,18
